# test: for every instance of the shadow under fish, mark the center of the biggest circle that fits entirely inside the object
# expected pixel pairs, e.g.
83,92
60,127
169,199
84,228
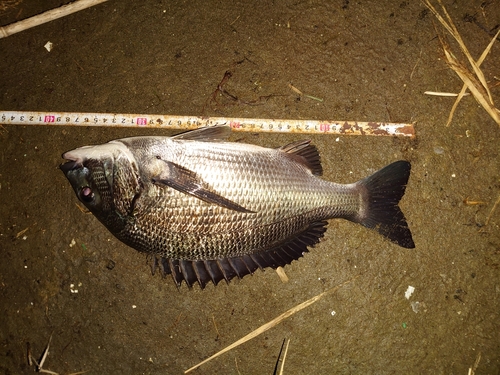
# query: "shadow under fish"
208,210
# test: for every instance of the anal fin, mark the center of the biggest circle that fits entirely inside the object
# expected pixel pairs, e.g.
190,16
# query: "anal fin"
215,270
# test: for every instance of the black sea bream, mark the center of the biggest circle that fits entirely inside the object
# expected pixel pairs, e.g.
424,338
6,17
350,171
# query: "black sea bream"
208,210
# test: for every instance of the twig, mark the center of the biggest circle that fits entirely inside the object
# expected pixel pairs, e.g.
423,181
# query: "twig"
473,369
464,87
282,274
220,90
297,91
39,366
47,16
438,93
476,82
284,357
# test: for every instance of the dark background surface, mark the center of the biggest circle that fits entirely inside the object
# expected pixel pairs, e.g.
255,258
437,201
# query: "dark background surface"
368,61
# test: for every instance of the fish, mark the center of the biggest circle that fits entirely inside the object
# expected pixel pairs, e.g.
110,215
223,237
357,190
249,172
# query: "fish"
206,209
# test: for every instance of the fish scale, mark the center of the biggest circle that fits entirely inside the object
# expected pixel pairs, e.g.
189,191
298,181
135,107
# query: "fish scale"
207,209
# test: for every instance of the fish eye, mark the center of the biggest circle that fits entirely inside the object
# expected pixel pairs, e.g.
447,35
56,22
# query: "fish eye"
86,194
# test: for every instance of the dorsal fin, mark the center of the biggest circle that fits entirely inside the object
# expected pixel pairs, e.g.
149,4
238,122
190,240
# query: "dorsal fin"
206,134
215,270
305,153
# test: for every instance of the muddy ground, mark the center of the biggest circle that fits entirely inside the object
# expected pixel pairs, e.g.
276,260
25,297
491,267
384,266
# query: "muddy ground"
63,274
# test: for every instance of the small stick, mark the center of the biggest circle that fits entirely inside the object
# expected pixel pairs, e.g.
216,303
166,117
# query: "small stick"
472,370
284,357
47,16
45,354
282,274
438,93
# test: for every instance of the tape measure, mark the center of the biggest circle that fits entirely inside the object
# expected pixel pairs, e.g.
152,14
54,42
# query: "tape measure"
194,122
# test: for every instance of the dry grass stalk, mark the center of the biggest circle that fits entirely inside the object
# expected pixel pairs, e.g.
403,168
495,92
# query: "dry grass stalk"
8,4
47,16
464,87
476,82
39,366
438,93
472,370
284,357
272,323
495,205
480,92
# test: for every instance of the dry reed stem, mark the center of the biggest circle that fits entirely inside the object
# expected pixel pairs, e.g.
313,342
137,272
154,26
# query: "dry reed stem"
438,93
464,87
473,369
272,323
472,83
284,357
452,29
475,83
47,16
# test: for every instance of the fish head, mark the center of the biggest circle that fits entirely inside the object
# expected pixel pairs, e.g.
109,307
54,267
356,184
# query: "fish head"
105,179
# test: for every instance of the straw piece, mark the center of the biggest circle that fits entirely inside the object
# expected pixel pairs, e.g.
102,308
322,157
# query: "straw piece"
452,29
477,84
272,323
473,84
464,87
282,274
284,357
47,16
438,93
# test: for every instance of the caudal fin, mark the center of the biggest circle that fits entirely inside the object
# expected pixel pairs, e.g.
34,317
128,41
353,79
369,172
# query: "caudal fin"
382,193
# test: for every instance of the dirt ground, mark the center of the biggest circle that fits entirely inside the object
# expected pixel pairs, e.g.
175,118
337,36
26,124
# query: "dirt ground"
63,274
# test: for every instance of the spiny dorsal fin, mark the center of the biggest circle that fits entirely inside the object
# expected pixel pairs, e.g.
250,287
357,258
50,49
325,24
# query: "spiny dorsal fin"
305,153
206,134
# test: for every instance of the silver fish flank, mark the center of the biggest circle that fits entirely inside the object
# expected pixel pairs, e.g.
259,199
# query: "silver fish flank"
209,210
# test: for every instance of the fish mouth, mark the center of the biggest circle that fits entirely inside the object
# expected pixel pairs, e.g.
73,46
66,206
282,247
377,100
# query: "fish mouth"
72,161
70,166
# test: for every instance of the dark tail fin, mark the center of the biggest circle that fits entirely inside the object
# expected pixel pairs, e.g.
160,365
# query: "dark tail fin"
382,193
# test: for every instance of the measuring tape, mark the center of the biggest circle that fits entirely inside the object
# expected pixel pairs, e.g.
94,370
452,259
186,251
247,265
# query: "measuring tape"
194,122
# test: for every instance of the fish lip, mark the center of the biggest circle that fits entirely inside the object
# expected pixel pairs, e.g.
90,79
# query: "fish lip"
69,166
72,162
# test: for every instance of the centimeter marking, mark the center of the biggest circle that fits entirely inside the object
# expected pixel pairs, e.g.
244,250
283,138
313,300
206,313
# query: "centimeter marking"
194,122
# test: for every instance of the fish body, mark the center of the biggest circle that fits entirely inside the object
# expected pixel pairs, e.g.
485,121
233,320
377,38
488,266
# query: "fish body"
208,209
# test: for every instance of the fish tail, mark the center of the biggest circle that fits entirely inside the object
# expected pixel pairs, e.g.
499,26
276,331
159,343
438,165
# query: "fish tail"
381,193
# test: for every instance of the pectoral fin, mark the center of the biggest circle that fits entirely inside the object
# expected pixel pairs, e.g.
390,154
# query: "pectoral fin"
188,182
206,134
